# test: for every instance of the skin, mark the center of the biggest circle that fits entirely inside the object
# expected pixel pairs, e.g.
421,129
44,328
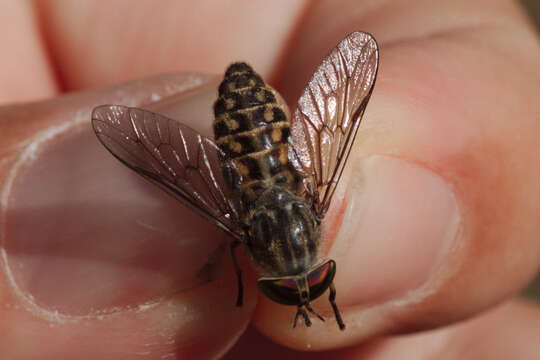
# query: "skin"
435,220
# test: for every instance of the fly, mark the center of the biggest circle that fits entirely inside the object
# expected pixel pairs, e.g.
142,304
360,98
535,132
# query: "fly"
266,179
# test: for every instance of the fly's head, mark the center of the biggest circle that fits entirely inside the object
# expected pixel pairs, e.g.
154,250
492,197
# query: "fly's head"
299,290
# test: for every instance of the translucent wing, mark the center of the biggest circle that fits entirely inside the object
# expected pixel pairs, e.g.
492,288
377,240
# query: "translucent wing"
173,156
329,112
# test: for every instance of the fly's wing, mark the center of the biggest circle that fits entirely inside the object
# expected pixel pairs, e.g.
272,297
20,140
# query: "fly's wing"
173,156
328,115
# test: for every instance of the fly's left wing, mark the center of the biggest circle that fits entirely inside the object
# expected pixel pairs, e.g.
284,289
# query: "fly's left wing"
325,123
173,156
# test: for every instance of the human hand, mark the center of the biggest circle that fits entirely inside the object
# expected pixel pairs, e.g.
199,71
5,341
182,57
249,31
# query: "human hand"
435,220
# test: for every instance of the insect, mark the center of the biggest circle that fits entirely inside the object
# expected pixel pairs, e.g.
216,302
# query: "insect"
265,179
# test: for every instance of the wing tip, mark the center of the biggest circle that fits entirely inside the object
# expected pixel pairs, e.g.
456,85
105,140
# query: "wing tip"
106,113
363,36
363,39
101,111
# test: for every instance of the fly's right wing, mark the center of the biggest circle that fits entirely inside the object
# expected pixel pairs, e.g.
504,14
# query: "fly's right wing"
173,156
325,123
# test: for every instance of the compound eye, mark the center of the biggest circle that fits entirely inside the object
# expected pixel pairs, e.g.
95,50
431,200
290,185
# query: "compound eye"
320,279
282,291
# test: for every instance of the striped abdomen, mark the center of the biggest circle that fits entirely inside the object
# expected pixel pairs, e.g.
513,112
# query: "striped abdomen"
252,129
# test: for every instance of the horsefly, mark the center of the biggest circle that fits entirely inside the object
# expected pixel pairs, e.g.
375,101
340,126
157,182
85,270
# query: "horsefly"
266,179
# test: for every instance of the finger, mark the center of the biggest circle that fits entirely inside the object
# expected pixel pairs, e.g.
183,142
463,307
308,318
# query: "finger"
95,262
25,72
506,332
92,44
436,219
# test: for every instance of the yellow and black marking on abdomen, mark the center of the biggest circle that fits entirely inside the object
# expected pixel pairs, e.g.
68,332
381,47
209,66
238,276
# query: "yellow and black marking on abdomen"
251,128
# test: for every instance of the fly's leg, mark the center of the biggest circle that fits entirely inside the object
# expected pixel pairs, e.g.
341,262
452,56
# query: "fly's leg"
301,312
332,299
239,299
208,271
310,309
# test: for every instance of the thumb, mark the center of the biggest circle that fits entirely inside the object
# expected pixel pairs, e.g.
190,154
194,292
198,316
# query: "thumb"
436,219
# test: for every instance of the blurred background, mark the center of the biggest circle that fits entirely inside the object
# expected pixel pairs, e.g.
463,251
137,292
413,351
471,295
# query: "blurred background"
534,9
533,6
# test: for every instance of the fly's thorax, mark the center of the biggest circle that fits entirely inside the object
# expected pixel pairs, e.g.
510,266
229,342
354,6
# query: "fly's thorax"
284,233
251,127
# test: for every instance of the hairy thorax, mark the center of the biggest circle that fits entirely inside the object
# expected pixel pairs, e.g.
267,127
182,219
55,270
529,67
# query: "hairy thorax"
284,233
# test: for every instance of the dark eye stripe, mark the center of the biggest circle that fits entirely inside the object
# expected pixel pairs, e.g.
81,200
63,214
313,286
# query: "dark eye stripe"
287,250
310,245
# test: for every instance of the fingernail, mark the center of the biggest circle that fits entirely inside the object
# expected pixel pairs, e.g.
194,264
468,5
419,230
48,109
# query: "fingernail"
84,234
400,222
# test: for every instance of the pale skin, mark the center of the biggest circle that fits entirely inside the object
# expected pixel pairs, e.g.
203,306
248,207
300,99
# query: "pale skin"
447,150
